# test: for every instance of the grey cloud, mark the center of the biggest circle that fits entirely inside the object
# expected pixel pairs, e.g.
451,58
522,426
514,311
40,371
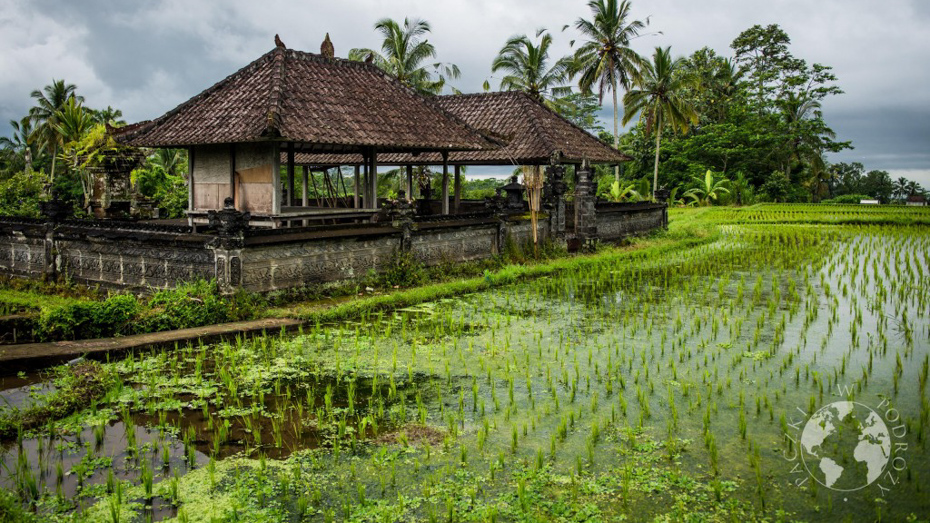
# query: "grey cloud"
147,57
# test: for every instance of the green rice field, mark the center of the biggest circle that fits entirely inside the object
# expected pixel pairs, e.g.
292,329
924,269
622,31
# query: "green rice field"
767,363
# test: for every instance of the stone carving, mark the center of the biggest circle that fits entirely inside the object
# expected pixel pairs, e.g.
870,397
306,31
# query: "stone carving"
554,200
514,190
585,211
229,223
401,212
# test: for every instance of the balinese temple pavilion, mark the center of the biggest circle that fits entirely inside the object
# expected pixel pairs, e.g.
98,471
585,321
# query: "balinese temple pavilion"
530,133
290,108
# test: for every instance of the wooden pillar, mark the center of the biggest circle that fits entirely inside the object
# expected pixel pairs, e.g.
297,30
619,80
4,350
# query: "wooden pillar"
373,178
457,189
190,178
366,186
290,174
305,192
190,187
355,201
232,171
445,182
276,182
410,182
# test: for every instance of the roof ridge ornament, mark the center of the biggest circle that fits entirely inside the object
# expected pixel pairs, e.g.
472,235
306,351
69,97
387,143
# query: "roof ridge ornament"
327,49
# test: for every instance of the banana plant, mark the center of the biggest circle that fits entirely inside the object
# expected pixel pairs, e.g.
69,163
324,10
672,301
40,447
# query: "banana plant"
710,189
624,194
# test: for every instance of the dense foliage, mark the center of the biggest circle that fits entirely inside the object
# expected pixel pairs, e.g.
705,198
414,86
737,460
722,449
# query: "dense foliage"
189,305
59,146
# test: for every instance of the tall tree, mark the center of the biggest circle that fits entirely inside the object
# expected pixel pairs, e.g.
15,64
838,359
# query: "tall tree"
605,59
22,142
109,116
528,70
49,102
72,124
403,53
659,97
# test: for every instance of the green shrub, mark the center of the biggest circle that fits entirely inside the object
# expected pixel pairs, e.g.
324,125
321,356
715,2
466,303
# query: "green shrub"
92,319
188,305
11,510
848,198
404,270
196,304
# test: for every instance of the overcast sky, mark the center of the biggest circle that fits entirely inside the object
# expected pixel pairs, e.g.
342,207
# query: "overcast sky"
147,57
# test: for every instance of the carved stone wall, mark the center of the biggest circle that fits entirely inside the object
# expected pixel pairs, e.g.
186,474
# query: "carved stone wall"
299,263
521,232
105,254
615,221
23,249
459,244
133,256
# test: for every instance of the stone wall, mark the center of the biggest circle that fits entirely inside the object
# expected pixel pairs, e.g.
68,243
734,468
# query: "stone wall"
621,220
110,254
136,256
455,242
23,248
307,259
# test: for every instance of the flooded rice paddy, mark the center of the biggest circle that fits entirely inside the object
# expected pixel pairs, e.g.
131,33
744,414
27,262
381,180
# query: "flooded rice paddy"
736,380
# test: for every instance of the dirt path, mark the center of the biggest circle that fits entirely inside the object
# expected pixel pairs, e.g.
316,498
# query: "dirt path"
14,358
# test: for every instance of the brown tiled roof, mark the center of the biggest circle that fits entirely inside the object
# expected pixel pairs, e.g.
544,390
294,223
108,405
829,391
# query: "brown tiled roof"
531,131
322,104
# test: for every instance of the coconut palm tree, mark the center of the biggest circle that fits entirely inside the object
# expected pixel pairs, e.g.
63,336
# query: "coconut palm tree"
22,142
109,116
72,124
660,98
527,68
605,59
403,53
49,101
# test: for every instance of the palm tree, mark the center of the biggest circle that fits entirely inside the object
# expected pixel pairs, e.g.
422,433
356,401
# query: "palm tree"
900,185
22,142
709,189
49,101
660,98
169,160
526,65
73,123
404,50
111,116
606,59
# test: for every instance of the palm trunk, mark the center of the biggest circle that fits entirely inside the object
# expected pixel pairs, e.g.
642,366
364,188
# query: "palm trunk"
51,183
616,130
655,175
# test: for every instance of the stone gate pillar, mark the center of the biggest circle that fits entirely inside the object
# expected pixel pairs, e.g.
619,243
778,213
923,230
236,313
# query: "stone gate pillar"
54,211
554,201
585,211
401,213
230,225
